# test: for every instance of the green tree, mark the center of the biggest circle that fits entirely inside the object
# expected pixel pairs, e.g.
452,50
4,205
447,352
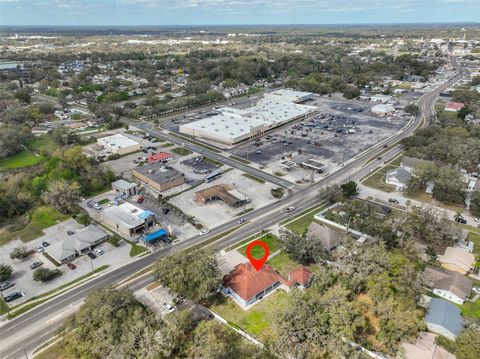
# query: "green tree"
62,195
19,253
302,249
23,95
194,275
349,189
83,219
475,203
468,344
412,109
5,272
46,274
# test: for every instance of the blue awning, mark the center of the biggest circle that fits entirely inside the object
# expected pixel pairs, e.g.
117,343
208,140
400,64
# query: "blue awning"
146,214
155,235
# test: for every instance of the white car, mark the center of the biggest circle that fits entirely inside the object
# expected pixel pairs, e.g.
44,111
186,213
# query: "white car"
40,249
168,307
204,231
99,251
289,209
477,220
96,206
476,289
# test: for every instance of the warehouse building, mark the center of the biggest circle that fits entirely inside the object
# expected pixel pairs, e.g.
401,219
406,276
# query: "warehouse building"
221,192
119,144
127,218
158,177
233,125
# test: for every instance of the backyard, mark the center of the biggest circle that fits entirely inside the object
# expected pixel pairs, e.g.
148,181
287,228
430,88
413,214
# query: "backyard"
258,320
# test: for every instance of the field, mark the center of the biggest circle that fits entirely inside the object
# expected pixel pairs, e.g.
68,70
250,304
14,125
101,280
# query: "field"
40,218
282,263
181,151
301,223
258,320
257,251
471,310
24,158
475,238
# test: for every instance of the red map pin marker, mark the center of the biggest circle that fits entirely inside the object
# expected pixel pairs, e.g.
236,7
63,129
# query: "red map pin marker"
257,263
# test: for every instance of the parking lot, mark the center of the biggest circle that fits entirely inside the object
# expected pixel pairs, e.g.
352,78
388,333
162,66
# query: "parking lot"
23,275
339,131
217,212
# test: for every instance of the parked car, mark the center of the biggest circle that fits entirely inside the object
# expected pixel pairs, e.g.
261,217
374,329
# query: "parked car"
460,219
393,200
476,290
70,233
13,296
36,265
91,255
289,209
99,251
204,231
6,285
476,219
168,307
71,266
45,244
97,206
40,249
241,220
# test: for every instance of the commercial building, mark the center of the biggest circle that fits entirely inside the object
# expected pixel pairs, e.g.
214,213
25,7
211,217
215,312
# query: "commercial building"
221,192
76,244
449,285
233,125
246,285
383,110
158,177
119,144
161,156
127,218
444,318
454,106
125,188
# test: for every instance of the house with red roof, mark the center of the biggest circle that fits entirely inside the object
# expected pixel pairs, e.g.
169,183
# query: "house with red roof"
246,285
161,156
454,106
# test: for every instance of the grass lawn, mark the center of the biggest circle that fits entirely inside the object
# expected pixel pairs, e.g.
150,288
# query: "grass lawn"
103,201
475,238
282,263
377,179
54,352
136,249
24,158
42,144
258,320
300,224
3,307
40,218
471,310
257,251
253,178
181,151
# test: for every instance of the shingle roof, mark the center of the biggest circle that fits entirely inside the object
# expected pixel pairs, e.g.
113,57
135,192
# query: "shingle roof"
446,315
402,175
459,257
454,282
412,161
329,238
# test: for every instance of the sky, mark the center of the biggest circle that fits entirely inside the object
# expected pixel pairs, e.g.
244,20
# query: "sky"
235,12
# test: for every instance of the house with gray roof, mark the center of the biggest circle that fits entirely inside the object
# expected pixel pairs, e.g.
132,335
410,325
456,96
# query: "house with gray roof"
329,237
398,177
444,318
410,163
76,244
125,187
447,284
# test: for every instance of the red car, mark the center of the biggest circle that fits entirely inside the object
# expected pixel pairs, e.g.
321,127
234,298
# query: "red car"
71,266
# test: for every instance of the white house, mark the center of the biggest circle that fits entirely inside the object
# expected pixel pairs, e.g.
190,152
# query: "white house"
449,285
398,177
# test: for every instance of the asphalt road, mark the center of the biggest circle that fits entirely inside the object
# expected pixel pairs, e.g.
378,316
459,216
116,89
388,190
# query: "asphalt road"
147,127
26,332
